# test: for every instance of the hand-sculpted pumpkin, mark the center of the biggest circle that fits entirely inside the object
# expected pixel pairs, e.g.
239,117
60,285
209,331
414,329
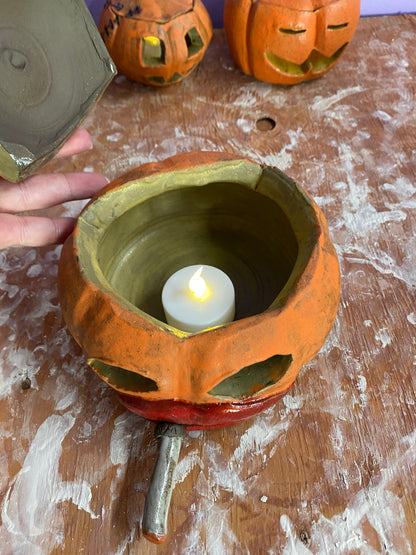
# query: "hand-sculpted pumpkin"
155,42
252,222
289,41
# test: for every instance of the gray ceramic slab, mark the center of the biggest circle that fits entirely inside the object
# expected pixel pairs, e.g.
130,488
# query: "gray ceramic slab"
53,68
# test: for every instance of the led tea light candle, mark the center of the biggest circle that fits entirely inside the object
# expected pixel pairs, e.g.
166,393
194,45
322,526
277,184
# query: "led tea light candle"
198,297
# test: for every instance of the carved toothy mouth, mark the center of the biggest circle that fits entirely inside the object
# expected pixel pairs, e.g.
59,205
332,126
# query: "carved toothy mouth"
315,63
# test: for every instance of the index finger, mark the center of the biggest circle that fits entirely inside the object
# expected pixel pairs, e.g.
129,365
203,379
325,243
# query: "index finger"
79,141
31,231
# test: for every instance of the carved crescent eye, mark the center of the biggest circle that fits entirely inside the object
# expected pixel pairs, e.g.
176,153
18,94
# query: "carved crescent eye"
122,379
291,31
252,379
337,27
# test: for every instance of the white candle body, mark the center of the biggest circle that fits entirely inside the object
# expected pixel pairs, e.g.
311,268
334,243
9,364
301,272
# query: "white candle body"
188,313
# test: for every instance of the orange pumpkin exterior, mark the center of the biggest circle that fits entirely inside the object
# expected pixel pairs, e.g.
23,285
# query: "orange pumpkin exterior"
289,41
178,33
187,367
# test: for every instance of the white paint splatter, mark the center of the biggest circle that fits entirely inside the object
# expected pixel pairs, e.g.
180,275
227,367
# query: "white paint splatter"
323,104
259,436
245,125
383,337
122,437
337,438
375,504
283,159
293,546
362,387
179,133
114,137
67,400
186,464
246,97
292,402
383,116
403,189
412,318
34,271
16,363
29,509
361,383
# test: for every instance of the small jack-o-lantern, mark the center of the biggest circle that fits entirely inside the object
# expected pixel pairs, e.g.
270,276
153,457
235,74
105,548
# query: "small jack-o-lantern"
289,41
252,222
155,42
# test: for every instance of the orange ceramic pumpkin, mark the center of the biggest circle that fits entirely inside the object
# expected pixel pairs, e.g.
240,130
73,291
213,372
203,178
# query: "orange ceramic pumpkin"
155,42
288,41
252,222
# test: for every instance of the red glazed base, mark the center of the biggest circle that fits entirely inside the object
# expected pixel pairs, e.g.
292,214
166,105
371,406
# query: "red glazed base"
199,417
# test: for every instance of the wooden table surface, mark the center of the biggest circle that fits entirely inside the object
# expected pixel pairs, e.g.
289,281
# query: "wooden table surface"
331,467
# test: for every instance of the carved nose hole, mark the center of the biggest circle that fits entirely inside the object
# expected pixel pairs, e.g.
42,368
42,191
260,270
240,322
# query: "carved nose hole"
265,124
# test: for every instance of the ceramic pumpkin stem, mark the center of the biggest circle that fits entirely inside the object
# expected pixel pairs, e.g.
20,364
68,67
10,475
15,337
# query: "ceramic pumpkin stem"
162,483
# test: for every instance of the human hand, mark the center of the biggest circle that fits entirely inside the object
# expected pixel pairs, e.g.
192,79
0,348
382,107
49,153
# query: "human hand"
44,191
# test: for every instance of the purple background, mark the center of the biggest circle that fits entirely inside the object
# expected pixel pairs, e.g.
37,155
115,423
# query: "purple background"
215,8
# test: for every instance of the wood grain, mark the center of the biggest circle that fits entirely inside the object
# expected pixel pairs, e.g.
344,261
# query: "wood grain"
331,467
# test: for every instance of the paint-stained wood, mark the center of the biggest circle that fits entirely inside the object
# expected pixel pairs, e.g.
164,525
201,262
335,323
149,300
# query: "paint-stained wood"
331,467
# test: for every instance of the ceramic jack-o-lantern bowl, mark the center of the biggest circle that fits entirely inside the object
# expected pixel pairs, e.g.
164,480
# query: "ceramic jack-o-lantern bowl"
156,42
252,222
289,41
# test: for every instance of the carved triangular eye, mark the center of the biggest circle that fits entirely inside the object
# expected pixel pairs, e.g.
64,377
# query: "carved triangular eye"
194,41
121,378
254,378
153,51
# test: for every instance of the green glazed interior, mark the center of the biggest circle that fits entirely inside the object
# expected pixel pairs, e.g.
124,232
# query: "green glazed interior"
254,224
